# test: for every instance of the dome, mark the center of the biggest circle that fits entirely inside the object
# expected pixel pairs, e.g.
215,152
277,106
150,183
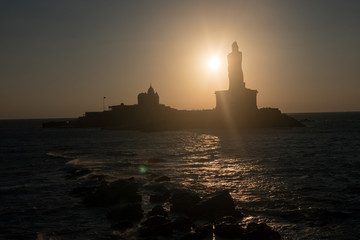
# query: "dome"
151,90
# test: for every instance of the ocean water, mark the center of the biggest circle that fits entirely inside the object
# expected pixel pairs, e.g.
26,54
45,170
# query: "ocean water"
304,182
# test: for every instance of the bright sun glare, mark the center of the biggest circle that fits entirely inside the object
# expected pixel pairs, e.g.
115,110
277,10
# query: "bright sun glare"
213,63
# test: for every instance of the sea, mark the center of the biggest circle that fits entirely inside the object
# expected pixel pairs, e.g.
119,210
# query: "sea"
303,182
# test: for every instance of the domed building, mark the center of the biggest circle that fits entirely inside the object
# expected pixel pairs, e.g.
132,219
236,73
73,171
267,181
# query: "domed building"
149,99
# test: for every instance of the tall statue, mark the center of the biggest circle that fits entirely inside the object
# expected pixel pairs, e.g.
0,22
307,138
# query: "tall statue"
236,77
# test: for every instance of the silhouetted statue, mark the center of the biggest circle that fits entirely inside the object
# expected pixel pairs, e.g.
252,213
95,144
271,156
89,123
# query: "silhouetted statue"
236,77
238,99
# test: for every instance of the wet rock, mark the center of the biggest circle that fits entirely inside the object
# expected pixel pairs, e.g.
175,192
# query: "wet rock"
155,226
155,220
156,187
159,197
182,201
125,212
306,120
122,225
158,210
260,231
194,236
87,188
214,206
98,177
226,220
182,223
162,179
118,192
75,173
82,191
228,230
206,230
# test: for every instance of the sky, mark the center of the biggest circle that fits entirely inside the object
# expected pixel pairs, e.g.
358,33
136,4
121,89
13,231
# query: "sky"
60,58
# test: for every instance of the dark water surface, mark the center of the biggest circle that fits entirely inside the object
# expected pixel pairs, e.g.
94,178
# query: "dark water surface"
304,182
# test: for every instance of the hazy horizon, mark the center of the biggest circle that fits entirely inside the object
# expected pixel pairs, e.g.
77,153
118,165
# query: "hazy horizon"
59,59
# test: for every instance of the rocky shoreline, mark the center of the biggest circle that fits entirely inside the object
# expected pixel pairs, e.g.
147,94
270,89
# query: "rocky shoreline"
170,212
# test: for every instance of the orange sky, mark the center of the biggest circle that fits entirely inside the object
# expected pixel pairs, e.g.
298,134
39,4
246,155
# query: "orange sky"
58,59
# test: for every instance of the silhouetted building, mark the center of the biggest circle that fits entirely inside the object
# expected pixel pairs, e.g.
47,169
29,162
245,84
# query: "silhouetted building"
238,98
149,99
235,108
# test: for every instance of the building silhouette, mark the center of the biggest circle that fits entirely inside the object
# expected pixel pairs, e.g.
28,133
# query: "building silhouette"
238,98
235,108
149,99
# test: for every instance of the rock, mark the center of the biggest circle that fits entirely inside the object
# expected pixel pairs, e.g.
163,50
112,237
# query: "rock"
156,187
75,173
162,179
205,230
155,226
229,230
182,201
260,231
98,177
125,212
193,236
118,192
87,187
215,206
82,191
122,225
159,198
182,223
158,211
155,221
225,220
306,120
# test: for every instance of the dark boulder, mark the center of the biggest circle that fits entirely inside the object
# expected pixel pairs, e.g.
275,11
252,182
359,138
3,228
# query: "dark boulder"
125,212
158,211
159,197
155,221
260,231
78,172
118,192
225,220
182,223
183,201
88,187
122,225
162,179
155,226
206,230
194,236
215,206
82,191
228,230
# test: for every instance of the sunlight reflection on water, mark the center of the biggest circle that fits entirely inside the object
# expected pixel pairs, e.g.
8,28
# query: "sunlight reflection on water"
273,175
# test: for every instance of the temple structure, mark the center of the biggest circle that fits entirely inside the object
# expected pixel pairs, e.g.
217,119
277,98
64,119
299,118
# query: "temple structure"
235,108
149,99
238,98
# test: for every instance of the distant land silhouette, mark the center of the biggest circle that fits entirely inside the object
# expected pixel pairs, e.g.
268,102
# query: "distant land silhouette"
235,108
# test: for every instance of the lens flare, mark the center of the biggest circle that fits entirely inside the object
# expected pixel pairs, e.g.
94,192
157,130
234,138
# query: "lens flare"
142,169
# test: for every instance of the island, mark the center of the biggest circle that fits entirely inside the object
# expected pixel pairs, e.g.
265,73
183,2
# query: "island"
236,108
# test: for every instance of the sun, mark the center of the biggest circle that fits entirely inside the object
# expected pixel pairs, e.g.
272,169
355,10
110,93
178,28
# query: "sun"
214,63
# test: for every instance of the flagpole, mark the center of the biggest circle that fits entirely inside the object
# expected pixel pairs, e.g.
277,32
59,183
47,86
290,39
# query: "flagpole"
104,104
